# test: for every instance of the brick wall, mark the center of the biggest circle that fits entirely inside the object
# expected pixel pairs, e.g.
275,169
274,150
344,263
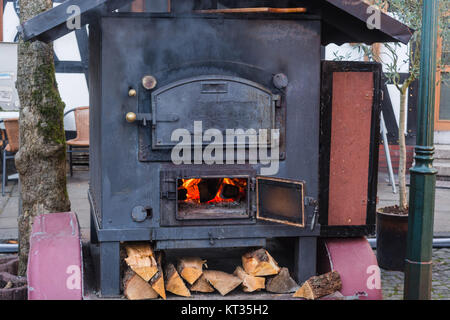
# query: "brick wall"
382,167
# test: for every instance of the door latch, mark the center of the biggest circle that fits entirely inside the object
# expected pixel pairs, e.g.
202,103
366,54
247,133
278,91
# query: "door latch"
169,195
311,202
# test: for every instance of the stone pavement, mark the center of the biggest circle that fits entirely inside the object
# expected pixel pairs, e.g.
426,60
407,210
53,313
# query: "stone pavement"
77,187
392,282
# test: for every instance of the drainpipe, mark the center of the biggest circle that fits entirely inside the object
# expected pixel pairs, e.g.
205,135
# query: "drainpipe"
423,175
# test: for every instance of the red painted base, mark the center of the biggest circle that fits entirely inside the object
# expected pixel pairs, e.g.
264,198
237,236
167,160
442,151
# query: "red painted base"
55,259
356,263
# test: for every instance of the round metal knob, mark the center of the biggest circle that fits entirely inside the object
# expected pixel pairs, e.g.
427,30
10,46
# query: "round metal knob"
132,93
280,81
139,214
130,117
149,82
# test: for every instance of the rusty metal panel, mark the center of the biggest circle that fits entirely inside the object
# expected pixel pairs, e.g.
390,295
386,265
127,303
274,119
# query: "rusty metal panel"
350,148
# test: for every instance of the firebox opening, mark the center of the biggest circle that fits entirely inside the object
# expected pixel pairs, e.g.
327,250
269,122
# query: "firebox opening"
212,198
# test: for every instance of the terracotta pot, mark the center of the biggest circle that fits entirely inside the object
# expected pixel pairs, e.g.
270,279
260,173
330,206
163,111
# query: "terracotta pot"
392,231
17,292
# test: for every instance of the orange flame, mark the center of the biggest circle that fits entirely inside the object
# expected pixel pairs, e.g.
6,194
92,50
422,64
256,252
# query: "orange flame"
193,193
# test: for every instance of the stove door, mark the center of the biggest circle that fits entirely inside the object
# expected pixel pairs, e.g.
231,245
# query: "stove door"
215,102
281,201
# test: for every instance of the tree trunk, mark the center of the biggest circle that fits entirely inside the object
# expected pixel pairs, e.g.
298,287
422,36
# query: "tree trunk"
402,149
41,159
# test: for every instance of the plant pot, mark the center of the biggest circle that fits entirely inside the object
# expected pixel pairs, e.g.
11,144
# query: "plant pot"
9,264
392,231
18,291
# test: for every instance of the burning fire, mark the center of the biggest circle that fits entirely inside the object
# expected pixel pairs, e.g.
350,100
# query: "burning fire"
226,190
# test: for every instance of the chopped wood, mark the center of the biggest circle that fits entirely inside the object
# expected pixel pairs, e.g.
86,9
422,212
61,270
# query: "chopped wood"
136,288
249,283
190,268
157,282
319,286
8,285
141,260
202,285
229,191
282,283
222,281
174,283
260,263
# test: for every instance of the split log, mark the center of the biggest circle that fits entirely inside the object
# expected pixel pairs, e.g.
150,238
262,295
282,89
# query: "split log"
249,283
319,286
141,260
157,282
282,283
174,283
202,285
260,263
136,288
222,281
190,268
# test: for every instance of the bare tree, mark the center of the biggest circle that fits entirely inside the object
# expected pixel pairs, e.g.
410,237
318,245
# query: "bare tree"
41,159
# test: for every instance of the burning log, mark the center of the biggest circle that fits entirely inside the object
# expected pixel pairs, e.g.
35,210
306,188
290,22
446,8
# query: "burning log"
174,283
182,194
204,191
141,260
190,268
249,283
260,263
320,286
223,282
202,285
282,283
136,288
229,191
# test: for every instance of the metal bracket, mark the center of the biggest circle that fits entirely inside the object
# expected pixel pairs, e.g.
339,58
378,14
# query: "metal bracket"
311,202
169,195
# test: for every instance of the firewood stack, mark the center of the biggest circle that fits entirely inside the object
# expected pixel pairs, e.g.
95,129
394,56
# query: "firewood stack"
146,277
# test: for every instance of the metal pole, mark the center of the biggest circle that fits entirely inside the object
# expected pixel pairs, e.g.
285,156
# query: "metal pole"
387,153
423,175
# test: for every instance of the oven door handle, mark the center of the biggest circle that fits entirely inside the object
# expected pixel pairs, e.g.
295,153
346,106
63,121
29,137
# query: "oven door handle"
147,117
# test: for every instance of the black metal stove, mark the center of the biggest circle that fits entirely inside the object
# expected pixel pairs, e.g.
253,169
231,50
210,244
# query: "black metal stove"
152,74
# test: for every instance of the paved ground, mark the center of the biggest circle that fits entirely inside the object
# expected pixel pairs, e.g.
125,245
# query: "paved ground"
77,187
392,282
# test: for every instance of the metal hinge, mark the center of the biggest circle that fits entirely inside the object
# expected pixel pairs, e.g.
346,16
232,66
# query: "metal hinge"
311,202
277,99
252,184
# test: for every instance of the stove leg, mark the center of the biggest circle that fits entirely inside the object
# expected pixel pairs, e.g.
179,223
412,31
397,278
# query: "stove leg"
305,258
110,269
93,232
